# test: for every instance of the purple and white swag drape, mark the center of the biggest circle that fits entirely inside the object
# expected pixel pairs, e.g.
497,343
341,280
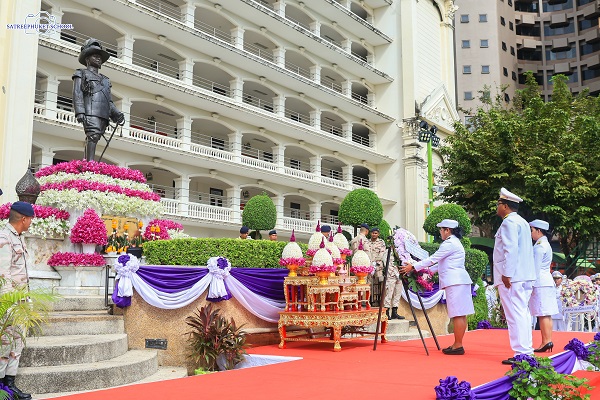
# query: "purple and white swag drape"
259,290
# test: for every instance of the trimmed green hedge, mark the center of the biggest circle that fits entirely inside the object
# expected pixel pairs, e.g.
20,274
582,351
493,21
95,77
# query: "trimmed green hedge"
446,211
241,253
481,308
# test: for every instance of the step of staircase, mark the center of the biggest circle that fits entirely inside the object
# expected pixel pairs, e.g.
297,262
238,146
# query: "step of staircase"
79,303
72,349
163,374
83,322
132,366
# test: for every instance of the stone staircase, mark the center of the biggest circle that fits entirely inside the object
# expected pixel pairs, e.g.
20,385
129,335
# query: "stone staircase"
84,348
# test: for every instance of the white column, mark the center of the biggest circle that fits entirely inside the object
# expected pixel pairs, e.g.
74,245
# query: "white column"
186,71
315,73
345,3
235,145
347,176
43,158
187,13
315,119
279,105
347,88
237,36
236,86
315,211
347,131
279,7
124,105
370,98
315,28
182,189
50,88
278,155
315,167
373,140
125,44
278,201
233,193
184,131
279,56
347,45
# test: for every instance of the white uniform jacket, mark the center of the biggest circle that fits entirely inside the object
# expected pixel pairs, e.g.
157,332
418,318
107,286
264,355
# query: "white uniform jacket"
513,251
542,257
450,258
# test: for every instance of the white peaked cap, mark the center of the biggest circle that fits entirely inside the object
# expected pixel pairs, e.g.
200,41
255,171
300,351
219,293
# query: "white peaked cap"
506,195
448,223
538,223
557,274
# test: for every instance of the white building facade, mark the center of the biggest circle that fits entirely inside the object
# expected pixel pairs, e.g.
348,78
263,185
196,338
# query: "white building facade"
223,100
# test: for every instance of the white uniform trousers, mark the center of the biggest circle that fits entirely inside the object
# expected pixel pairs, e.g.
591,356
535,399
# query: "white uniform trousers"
515,302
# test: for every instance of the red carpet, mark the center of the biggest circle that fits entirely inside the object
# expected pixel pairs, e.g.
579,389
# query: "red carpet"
395,370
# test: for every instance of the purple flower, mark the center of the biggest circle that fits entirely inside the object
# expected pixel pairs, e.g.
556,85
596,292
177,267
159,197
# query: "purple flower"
222,262
451,389
484,324
597,336
578,348
533,362
7,390
123,259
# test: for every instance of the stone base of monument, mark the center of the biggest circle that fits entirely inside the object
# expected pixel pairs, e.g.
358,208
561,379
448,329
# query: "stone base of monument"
81,281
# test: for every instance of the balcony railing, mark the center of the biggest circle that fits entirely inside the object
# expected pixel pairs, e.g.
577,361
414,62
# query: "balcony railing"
297,70
297,214
155,65
163,7
256,50
335,130
258,102
212,31
298,117
357,180
212,86
362,140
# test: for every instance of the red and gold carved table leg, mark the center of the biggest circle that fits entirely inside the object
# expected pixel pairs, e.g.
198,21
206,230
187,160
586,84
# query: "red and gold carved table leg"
282,335
383,331
368,299
337,335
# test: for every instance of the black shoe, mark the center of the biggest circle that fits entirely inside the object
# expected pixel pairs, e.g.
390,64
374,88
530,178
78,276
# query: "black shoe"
459,351
387,312
510,361
18,394
395,313
545,348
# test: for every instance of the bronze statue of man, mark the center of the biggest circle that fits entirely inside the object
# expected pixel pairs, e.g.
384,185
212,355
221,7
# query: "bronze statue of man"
92,100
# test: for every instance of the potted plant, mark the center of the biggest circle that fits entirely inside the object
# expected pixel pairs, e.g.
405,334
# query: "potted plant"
213,337
89,229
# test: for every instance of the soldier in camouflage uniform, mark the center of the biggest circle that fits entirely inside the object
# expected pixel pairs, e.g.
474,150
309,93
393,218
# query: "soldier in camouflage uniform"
377,250
13,269
362,235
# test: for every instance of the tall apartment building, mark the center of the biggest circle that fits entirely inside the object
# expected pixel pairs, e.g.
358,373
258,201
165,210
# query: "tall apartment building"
225,99
498,40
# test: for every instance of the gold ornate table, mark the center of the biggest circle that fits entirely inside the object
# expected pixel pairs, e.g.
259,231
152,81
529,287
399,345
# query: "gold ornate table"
364,294
324,297
296,293
329,319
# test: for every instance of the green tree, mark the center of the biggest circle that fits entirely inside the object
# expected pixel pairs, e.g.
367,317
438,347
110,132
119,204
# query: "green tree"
260,213
361,206
446,211
546,152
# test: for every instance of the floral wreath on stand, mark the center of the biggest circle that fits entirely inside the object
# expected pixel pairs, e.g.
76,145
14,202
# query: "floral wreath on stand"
579,292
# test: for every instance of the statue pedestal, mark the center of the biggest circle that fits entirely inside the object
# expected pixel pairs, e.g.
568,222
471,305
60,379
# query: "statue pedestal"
41,275
81,280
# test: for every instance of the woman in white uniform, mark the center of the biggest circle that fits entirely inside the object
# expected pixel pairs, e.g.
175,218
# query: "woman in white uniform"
450,259
542,303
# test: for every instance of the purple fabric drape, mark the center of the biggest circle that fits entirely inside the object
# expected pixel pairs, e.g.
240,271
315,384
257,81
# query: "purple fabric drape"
498,389
265,282
171,279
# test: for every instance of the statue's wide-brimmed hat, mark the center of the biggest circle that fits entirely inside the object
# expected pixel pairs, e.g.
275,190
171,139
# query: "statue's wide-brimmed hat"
92,46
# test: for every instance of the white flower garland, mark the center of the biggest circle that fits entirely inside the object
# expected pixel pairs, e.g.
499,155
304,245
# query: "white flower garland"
50,227
104,203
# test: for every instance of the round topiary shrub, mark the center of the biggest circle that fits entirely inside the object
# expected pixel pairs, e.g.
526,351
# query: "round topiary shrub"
446,211
361,206
260,213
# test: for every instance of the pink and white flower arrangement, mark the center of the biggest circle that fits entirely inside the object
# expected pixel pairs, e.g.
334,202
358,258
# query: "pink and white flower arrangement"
579,292
81,166
334,251
89,228
322,261
78,259
314,242
48,221
292,253
361,263
341,242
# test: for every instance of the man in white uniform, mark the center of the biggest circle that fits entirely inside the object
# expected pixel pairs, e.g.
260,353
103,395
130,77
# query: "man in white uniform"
514,272
558,323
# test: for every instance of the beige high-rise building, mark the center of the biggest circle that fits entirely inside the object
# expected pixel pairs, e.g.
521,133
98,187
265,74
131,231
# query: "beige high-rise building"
498,40
223,100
